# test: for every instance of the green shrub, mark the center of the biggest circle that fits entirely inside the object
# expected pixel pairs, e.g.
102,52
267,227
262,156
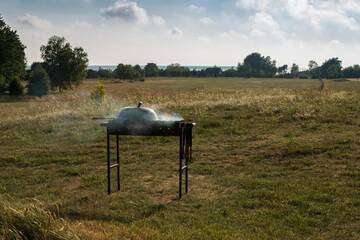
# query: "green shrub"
98,93
39,83
15,87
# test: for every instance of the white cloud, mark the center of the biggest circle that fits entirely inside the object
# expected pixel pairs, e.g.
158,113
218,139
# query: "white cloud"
335,43
176,31
127,11
196,9
314,12
232,34
252,4
263,24
130,11
348,5
34,21
206,20
158,20
263,21
318,12
205,40
82,24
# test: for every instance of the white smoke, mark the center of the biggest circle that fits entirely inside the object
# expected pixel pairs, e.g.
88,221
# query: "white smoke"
167,116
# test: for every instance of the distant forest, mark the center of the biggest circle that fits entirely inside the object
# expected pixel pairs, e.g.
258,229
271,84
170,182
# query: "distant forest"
254,66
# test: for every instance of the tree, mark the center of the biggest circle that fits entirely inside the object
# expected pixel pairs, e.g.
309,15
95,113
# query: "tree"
138,72
282,70
294,70
231,72
312,65
256,65
331,68
2,84
12,57
151,70
79,63
92,74
128,72
352,72
105,73
176,70
39,82
15,87
314,70
213,71
66,66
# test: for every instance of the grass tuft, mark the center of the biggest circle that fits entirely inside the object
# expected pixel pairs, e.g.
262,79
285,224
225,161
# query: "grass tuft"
31,221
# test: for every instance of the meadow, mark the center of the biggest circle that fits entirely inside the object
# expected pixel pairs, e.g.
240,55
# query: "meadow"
273,159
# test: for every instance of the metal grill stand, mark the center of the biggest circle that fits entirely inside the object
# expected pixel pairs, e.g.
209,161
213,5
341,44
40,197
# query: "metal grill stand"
181,129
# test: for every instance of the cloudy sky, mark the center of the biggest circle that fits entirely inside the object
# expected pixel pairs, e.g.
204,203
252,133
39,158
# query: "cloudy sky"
192,32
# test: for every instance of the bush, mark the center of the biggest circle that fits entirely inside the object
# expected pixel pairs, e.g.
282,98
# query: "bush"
99,93
39,83
15,87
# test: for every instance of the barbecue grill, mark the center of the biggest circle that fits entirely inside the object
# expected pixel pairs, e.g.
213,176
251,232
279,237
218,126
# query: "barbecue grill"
141,121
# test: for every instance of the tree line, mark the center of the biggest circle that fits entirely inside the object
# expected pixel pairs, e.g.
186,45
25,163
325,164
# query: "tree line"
63,66
254,66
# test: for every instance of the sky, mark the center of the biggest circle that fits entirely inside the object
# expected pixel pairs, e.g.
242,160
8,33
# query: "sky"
191,32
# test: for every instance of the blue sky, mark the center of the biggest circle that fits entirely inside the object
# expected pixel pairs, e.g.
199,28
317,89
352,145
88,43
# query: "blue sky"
192,32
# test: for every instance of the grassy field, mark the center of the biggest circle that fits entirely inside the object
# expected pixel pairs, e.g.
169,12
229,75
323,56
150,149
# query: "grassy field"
273,159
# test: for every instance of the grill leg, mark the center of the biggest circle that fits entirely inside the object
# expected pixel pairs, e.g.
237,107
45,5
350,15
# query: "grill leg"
187,160
118,162
108,162
181,156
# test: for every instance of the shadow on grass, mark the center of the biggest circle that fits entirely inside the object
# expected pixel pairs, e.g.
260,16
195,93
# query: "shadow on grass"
114,215
95,216
13,99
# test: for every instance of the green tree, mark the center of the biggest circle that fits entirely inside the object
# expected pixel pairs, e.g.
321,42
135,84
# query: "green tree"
39,83
295,70
255,65
138,72
2,84
105,73
231,72
92,74
331,68
128,72
123,71
352,72
176,70
12,57
66,66
282,70
151,70
314,70
15,87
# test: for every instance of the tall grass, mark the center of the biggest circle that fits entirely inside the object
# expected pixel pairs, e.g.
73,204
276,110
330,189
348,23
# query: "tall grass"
31,221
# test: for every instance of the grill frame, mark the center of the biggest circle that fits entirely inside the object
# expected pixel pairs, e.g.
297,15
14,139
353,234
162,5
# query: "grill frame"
181,129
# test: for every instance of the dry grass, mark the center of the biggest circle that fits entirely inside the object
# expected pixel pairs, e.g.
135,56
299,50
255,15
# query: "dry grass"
273,159
31,221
